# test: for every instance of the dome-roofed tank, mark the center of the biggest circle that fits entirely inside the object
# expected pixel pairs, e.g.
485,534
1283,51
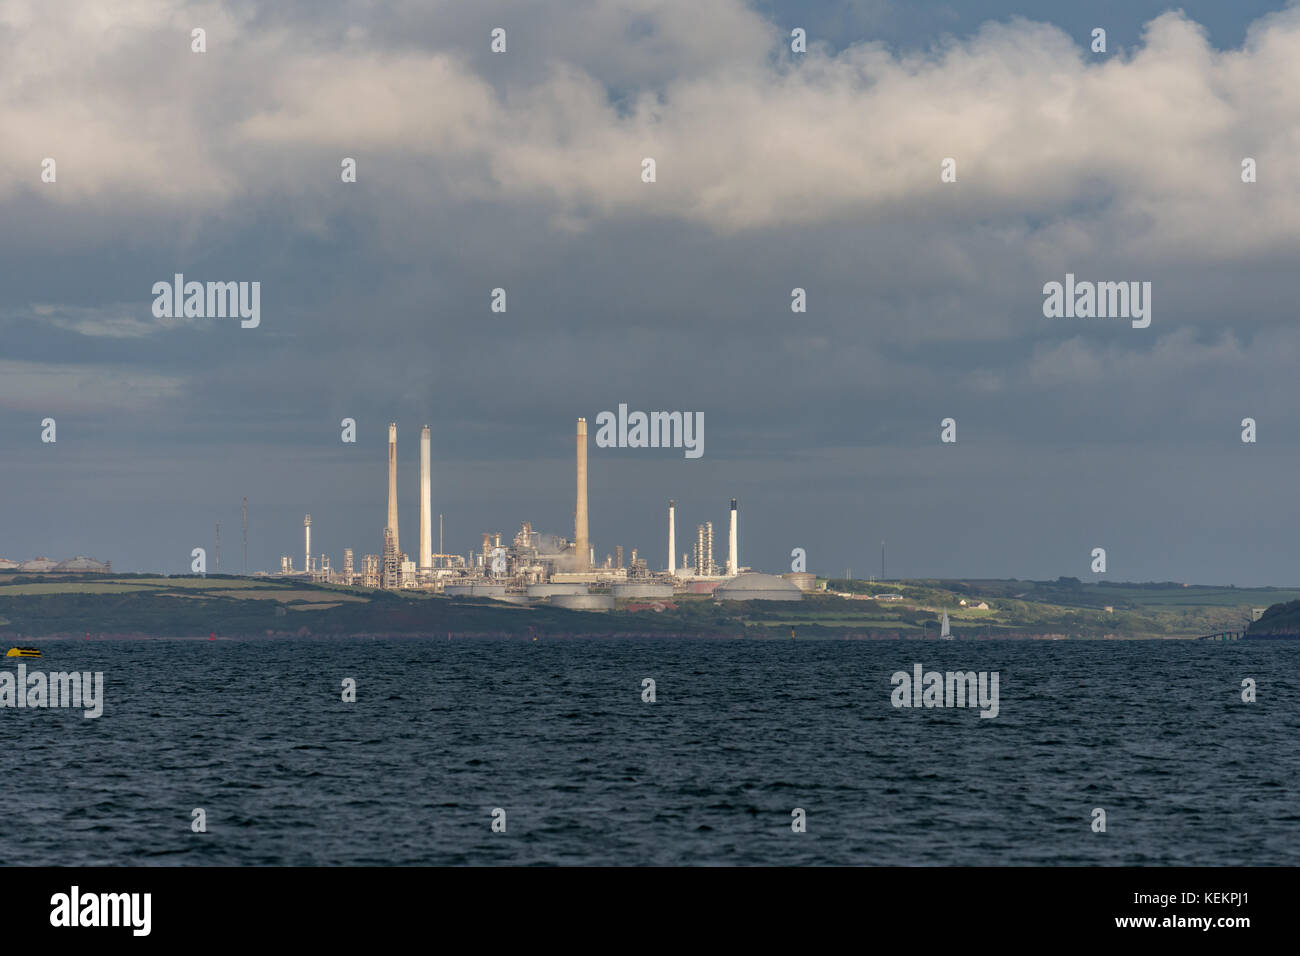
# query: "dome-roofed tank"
81,563
551,590
757,587
584,602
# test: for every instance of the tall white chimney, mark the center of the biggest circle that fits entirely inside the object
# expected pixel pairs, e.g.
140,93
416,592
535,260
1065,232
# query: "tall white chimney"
733,556
392,481
582,544
306,530
426,504
672,538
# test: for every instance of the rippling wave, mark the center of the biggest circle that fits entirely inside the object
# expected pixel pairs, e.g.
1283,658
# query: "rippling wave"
555,733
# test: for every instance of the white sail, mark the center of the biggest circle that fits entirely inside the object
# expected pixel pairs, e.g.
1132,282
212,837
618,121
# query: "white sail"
944,632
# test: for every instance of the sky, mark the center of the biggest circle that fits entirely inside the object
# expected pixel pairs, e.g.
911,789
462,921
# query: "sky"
774,170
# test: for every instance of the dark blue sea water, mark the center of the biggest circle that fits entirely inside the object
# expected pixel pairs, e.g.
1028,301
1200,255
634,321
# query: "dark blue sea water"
742,732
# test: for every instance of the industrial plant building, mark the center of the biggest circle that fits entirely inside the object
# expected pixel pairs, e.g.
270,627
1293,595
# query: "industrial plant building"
531,566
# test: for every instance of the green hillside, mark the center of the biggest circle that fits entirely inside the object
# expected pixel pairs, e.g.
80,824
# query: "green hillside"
150,605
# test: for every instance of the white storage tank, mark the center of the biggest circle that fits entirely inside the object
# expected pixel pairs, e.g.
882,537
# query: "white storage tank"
641,589
550,590
584,602
757,587
496,591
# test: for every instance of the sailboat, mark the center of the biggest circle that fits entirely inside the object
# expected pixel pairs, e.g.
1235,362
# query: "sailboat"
944,635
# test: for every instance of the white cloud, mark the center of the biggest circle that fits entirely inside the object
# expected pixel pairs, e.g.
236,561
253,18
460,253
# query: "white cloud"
1172,360
53,388
1150,142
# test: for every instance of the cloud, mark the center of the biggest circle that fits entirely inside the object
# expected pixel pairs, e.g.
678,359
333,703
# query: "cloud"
53,388
119,321
523,171
746,135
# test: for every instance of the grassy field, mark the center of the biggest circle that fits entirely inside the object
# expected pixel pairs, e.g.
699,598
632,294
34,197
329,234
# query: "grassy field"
88,587
219,584
283,595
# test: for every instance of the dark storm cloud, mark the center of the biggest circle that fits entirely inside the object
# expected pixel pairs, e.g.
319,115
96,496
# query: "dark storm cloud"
522,171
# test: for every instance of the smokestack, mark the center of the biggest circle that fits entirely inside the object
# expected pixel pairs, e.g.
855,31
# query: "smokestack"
392,481
733,556
426,504
306,530
672,537
581,543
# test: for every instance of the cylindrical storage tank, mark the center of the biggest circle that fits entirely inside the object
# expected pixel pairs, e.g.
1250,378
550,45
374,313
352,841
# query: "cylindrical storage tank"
584,602
802,580
513,597
475,590
757,587
641,589
550,590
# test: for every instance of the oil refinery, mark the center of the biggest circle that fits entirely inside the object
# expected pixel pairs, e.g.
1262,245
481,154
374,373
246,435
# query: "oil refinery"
531,566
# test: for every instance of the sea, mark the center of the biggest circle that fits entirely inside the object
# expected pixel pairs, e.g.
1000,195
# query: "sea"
488,751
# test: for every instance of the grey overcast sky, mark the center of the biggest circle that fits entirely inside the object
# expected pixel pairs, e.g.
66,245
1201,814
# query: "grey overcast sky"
775,170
